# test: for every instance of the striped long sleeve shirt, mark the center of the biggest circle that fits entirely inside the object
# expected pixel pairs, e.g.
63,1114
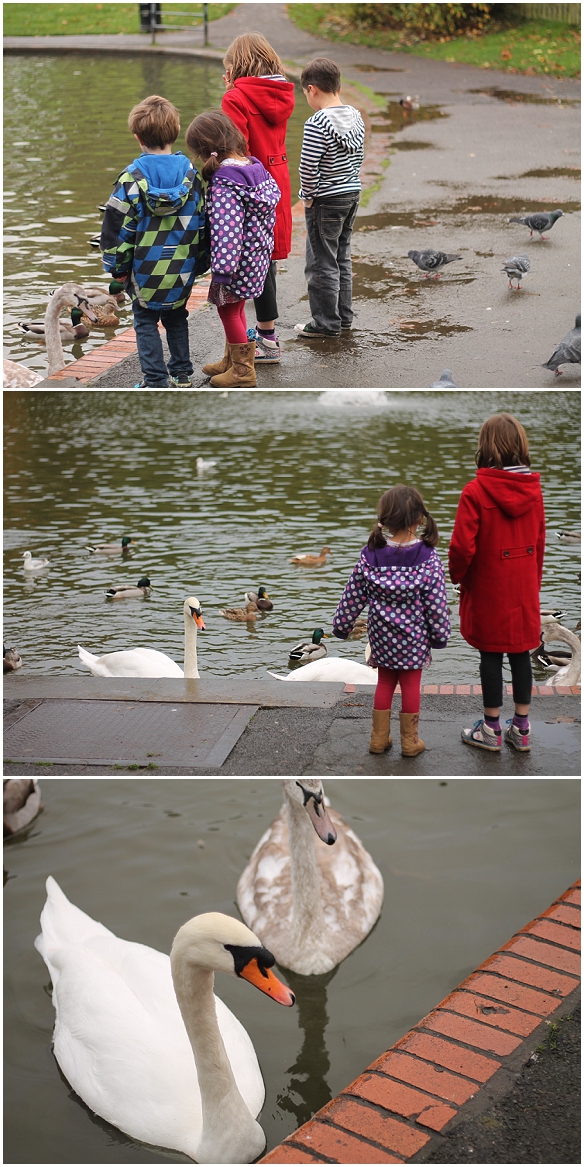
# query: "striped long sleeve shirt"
332,152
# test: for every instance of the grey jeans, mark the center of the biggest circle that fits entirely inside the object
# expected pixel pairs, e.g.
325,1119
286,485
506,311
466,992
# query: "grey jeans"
329,226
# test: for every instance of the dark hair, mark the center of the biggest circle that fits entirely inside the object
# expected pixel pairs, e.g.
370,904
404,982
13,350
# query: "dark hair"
502,442
399,508
214,132
323,74
155,121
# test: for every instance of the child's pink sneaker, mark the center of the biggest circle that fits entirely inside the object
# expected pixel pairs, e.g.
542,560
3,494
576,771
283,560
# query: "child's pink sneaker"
483,736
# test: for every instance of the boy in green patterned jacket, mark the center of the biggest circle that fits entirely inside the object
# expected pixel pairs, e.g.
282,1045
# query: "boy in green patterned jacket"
154,236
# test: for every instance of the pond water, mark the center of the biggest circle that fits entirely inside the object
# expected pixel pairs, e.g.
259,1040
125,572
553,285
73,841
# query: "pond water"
66,139
294,472
465,863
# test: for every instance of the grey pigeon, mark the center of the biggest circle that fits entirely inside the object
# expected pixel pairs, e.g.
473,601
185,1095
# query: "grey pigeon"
516,267
541,221
445,381
429,261
568,351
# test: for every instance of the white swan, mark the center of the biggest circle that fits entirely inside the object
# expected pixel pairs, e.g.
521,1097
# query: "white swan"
67,296
148,662
570,674
124,1047
17,376
332,668
311,903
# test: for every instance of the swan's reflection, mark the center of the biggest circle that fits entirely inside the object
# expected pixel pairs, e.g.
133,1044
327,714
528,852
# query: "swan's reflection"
307,1089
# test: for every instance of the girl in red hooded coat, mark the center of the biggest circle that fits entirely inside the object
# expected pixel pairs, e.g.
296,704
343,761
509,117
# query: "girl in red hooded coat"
259,100
496,555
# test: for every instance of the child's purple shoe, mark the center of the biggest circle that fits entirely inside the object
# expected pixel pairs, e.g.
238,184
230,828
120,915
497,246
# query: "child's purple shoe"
520,739
483,736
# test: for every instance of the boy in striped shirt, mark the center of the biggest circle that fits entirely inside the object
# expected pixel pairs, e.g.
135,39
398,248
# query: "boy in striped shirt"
332,155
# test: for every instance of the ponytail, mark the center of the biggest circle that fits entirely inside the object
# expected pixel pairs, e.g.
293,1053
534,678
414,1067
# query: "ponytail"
430,534
399,509
376,539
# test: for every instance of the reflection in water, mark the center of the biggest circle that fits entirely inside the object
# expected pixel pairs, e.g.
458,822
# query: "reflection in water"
307,1089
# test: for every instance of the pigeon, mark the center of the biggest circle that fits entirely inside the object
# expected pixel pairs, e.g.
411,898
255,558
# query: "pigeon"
541,221
429,261
445,381
568,351
516,267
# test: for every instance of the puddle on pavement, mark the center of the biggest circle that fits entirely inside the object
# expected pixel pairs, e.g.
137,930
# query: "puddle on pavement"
412,144
515,97
473,204
415,329
397,118
378,69
550,172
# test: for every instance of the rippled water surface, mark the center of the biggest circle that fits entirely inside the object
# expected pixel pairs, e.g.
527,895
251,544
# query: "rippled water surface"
66,138
294,471
465,865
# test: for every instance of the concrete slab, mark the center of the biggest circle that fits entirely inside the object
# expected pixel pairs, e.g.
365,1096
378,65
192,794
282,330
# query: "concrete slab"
210,690
104,733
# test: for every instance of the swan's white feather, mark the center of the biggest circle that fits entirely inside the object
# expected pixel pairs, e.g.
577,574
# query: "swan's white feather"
131,662
332,668
119,1036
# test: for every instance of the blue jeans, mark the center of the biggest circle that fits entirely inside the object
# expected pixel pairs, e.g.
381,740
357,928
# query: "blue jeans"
329,226
148,340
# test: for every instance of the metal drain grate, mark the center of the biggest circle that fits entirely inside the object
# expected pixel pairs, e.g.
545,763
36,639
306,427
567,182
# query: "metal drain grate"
104,732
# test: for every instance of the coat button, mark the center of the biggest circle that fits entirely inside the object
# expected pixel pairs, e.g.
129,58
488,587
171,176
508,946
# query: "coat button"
506,554
530,550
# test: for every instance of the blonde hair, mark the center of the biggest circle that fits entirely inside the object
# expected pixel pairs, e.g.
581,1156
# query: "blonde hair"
251,55
155,121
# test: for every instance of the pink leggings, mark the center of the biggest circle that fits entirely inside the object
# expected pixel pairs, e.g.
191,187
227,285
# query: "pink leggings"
234,322
409,682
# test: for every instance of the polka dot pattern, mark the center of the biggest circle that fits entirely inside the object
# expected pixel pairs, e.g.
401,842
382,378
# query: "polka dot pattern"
408,608
242,220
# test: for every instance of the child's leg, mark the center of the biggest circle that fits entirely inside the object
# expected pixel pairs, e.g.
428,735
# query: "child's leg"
386,683
518,732
175,321
149,346
325,221
410,683
486,732
380,738
346,270
266,307
234,322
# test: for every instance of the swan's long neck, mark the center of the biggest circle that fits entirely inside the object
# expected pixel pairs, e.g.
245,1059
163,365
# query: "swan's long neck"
190,664
230,1134
53,335
570,673
308,923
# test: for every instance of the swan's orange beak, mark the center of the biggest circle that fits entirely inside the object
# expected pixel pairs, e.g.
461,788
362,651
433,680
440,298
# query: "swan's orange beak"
264,979
198,618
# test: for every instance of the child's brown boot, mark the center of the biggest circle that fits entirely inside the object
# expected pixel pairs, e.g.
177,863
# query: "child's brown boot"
241,372
380,736
411,744
217,367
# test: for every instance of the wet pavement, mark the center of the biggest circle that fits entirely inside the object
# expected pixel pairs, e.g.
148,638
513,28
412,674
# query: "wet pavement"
226,726
483,146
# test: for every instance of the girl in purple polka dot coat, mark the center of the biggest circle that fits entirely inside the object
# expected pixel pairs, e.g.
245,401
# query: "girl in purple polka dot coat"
241,205
402,579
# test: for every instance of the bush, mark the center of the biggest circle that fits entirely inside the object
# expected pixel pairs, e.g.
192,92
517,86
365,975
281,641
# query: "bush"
419,21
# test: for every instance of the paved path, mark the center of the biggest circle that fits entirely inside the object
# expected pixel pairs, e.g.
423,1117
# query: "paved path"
451,183
234,726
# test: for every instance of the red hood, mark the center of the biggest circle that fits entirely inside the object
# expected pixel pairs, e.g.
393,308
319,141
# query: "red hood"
513,493
274,100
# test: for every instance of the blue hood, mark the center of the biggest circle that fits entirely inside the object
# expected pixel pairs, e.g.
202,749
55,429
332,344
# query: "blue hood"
163,186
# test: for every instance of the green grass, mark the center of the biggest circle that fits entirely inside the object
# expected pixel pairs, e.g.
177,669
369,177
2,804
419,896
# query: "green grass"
73,19
533,47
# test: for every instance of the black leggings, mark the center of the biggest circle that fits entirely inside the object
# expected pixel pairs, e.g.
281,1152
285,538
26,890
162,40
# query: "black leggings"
491,669
265,305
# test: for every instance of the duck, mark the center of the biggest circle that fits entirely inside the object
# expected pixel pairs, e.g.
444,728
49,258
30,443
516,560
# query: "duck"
204,464
143,1040
12,659
569,536
69,295
105,315
359,627
96,294
547,614
21,804
112,548
31,564
570,673
410,103
312,560
311,889
129,591
76,330
148,662
241,614
310,649
17,376
260,598
332,668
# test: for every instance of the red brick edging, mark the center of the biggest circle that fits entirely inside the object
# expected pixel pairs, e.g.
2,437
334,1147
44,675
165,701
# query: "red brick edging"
424,1081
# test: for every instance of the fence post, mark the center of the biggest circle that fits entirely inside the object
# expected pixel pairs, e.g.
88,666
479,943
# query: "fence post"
205,24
